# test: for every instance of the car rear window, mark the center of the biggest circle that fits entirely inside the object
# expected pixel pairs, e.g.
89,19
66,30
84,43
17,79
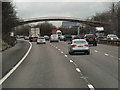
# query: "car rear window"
54,36
41,38
88,36
79,42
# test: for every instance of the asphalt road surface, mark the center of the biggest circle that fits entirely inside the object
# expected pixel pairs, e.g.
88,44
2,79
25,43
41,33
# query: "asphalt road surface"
50,66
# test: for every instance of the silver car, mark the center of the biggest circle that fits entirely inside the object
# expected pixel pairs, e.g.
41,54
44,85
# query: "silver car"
78,45
41,40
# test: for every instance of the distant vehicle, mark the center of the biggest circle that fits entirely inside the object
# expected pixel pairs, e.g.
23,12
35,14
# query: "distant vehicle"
34,34
112,37
76,37
54,38
46,38
78,45
91,39
22,36
26,37
57,31
67,37
100,32
61,38
41,40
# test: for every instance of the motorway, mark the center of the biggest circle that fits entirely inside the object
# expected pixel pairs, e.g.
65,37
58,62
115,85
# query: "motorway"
50,66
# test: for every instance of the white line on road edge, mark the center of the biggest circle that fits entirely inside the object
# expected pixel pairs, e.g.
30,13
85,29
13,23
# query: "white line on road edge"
91,87
71,60
95,50
16,66
56,47
78,69
106,54
65,55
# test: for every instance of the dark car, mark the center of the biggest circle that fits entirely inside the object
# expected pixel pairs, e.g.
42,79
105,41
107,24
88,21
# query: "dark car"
76,37
67,37
91,39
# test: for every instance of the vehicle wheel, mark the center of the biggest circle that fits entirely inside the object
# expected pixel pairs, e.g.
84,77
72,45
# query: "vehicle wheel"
95,44
88,52
71,53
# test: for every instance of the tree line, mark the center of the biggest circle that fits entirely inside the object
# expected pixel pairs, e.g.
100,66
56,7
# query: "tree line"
9,21
111,17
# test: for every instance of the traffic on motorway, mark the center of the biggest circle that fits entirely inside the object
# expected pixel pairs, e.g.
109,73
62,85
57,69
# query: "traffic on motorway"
76,48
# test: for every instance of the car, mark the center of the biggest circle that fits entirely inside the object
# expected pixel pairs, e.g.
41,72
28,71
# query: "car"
76,37
67,37
41,40
54,38
78,45
112,37
26,37
33,39
46,38
91,39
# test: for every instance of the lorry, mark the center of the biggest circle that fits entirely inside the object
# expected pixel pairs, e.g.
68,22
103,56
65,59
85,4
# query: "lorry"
99,32
57,31
34,33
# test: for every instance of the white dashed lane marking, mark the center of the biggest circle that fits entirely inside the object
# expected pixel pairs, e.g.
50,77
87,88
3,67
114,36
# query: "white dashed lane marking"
91,87
95,50
71,60
106,54
59,49
77,69
66,56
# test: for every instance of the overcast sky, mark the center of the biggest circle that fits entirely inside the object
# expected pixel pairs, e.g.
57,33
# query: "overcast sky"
82,10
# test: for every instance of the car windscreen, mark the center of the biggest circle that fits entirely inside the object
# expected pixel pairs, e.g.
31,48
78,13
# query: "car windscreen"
114,36
41,38
79,42
54,36
90,36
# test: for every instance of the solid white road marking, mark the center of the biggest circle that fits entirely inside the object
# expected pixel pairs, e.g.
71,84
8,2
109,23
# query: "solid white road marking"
95,50
71,60
91,87
106,54
65,55
56,47
16,66
78,69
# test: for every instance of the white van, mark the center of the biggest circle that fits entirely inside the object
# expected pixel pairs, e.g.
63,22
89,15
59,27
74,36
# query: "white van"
54,38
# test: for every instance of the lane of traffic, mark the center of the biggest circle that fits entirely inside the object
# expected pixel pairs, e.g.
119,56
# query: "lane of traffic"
106,67
45,67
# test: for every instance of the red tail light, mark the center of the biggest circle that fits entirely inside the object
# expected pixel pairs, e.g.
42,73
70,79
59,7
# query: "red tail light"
74,45
85,39
86,45
95,38
38,40
43,39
